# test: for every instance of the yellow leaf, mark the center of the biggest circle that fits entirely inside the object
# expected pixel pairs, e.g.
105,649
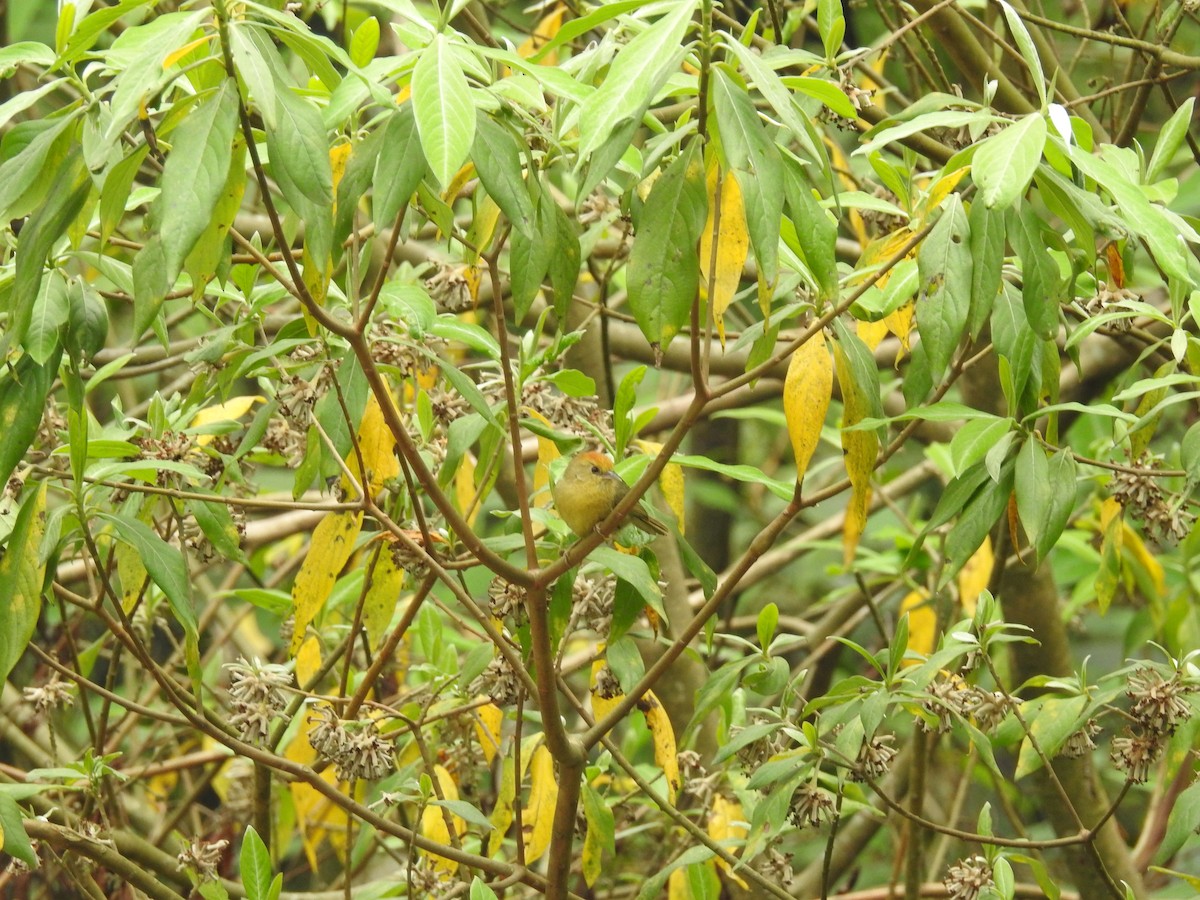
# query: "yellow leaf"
483,226
974,576
176,55
806,392
338,157
547,453
378,448
316,815
545,31
677,885
670,482
1112,537
871,333
859,449
727,825
465,174
308,661
900,322
387,580
922,623
332,543
433,822
502,814
602,706
939,192
229,411
488,720
132,572
538,818
1133,543
732,242
464,488
664,741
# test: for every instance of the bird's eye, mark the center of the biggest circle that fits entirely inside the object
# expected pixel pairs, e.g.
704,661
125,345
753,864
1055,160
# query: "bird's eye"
595,470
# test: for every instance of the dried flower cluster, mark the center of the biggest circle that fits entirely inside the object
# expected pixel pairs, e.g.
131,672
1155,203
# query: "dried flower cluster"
759,751
498,682
948,697
1081,741
506,599
1157,708
256,696
967,878
51,695
355,747
1140,493
811,806
450,289
874,758
202,857
593,596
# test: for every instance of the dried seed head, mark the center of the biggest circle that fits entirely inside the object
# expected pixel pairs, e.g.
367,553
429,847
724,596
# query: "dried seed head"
51,695
255,696
1080,742
874,758
811,806
1158,703
1134,754
497,681
202,857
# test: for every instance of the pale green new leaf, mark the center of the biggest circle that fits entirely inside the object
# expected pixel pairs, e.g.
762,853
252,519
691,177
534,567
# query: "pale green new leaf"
445,114
1004,164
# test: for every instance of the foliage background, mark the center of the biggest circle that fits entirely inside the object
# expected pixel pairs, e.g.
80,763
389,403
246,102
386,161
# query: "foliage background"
891,312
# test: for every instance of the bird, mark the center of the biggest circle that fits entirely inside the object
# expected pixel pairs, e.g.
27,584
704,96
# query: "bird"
589,490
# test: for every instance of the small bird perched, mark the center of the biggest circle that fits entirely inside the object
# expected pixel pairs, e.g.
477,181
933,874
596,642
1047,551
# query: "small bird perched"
589,490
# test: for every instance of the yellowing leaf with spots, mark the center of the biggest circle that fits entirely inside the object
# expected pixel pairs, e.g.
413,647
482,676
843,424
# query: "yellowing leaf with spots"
317,817
939,192
600,836
464,488
859,449
727,826
1141,555
922,622
974,576
229,411
387,580
601,705
332,543
338,157
538,817
465,174
900,322
664,741
806,392
488,720
434,825
732,241
378,448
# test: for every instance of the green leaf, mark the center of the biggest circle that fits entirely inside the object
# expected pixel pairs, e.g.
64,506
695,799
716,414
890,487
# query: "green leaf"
1051,722
1033,488
45,228
22,401
365,41
16,841
565,262
986,243
300,152
769,84
399,168
21,174
1041,285
982,511
257,62
815,230
22,572
1170,138
634,571
1013,338
831,25
637,73
1162,236
497,158
824,90
164,564
194,174
218,526
445,113
945,266
47,319
664,268
255,865
1028,52
768,619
